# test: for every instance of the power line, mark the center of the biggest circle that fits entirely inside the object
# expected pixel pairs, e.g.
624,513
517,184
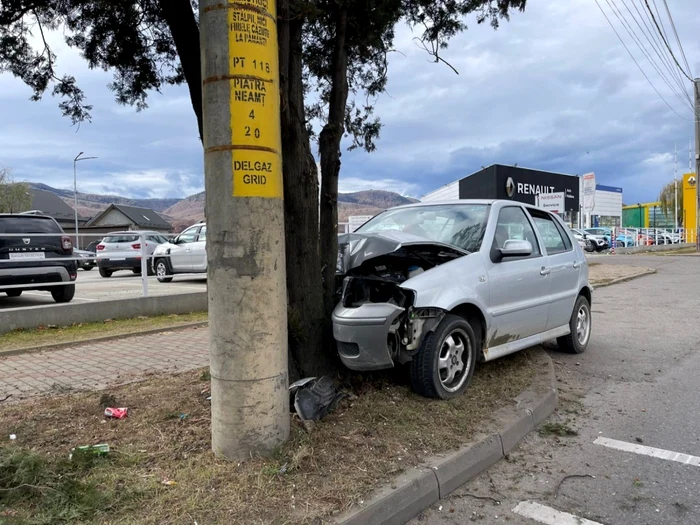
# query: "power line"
666,41
678,40
659,47
637,63
630,30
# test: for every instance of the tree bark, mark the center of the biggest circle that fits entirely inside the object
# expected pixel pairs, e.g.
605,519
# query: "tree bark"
179,16
304,288
329,148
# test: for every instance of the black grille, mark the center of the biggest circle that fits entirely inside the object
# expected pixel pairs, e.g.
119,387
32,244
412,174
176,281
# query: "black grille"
348,349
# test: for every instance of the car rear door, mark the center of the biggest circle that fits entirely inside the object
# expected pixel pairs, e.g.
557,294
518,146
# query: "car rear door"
519,287
564,263
199,251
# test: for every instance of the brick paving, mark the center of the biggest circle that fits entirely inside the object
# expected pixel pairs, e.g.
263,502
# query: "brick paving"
101,365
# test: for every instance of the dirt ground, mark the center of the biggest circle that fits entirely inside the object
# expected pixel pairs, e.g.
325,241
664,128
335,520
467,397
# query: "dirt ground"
160,468
601,274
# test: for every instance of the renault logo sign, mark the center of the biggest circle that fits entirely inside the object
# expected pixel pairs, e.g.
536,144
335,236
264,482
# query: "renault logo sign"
692,181
510,187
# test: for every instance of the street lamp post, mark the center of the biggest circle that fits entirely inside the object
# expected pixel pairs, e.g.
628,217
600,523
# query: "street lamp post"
75,193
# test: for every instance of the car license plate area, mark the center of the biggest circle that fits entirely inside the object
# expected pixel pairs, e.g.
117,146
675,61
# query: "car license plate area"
27,256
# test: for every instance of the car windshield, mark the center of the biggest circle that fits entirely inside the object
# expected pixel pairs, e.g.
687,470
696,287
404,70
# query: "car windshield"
24,224
460,225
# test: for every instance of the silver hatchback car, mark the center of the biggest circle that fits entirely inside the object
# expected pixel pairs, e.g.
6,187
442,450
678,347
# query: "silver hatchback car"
443,286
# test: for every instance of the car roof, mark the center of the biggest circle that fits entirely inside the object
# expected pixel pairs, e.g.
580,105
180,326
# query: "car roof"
133,232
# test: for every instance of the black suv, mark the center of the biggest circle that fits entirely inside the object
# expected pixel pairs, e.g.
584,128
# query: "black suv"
31,258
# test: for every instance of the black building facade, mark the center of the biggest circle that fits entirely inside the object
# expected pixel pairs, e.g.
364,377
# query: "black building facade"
519,184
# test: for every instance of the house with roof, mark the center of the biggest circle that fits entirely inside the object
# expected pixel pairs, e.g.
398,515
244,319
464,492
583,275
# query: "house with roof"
54,206
121,217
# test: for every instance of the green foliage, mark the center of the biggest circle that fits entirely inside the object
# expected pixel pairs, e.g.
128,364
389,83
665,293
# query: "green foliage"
667,198
14,196
44,490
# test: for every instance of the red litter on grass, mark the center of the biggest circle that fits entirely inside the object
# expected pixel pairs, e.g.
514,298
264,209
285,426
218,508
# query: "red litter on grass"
116,413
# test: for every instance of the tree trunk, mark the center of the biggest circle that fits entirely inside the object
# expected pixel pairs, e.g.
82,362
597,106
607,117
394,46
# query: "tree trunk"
329,148
179,16
304,288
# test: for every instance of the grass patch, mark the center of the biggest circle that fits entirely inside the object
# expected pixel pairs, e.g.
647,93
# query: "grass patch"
364,443
46,336
679,251
557,429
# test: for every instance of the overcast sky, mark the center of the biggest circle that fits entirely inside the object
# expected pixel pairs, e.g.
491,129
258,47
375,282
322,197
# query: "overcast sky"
552,89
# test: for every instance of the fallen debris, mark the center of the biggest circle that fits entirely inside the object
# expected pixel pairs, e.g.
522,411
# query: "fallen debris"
314,399
116,413
98,450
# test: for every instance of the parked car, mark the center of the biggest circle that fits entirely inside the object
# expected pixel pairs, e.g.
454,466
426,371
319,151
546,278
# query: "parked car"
35,259
186,253
605,233
122,250
625,239
583,240
598,242
442,286
87,260
663,237
92,247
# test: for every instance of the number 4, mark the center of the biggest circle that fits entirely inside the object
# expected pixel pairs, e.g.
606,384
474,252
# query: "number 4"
251,115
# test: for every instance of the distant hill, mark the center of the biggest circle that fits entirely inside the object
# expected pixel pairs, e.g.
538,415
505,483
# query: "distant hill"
181,213
89,204
367,202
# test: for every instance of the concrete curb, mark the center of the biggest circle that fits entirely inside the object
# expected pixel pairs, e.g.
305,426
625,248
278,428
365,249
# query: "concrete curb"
115,337
419,488
646,271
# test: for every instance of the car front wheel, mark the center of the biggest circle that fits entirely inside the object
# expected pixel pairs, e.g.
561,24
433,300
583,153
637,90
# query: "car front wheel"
581,323
445,363
163,272
63,294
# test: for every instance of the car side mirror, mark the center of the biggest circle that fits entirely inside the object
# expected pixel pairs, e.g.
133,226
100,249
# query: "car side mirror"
516,248
176,240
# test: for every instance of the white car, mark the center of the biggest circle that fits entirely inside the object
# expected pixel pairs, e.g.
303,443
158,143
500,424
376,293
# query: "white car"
186,253
122,250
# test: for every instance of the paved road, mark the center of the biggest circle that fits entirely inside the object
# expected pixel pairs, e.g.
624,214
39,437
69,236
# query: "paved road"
100,365
637,386
122,285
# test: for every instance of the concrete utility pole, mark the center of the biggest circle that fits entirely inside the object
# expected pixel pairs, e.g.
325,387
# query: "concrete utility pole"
245,221
675,186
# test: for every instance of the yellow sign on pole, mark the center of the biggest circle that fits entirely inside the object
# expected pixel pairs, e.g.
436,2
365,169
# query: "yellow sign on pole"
690,188
255,117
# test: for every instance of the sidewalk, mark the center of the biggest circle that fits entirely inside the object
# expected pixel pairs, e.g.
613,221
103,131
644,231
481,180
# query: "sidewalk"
101,365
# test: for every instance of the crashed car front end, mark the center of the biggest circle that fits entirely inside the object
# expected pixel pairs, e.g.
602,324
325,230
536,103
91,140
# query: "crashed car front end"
375,322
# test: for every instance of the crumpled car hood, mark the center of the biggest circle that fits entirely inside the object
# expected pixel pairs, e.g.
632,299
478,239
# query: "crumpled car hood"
356,248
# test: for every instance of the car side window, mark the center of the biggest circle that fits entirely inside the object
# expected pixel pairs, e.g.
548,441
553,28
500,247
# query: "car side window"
202,234
552,236
187,236
513,224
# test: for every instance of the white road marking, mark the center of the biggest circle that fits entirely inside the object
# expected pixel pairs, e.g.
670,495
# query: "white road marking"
649,451
548,515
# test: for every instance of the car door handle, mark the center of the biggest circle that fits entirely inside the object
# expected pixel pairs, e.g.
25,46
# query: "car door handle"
545,271
577,265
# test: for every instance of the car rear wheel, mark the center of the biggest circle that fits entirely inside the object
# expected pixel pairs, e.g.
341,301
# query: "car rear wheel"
105,273
163,272
88,267
63,294
446,360
137,271
13,293
581,323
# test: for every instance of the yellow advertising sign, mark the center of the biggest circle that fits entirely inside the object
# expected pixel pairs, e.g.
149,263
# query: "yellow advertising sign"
255,121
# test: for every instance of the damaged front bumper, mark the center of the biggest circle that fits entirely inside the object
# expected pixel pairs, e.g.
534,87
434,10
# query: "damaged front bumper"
364,335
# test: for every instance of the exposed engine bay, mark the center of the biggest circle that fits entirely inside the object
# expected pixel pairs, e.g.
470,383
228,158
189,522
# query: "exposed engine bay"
371,269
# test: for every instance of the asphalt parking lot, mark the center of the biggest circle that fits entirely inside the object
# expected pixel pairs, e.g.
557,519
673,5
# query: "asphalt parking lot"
631,399
122,285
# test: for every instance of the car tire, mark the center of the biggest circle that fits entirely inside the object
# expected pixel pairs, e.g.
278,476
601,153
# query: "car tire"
63,294
13,293
440,369
577,341
105,273
87,268
137,271
589,247
163,273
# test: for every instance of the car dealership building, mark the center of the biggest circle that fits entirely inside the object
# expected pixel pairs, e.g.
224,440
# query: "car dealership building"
523,184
